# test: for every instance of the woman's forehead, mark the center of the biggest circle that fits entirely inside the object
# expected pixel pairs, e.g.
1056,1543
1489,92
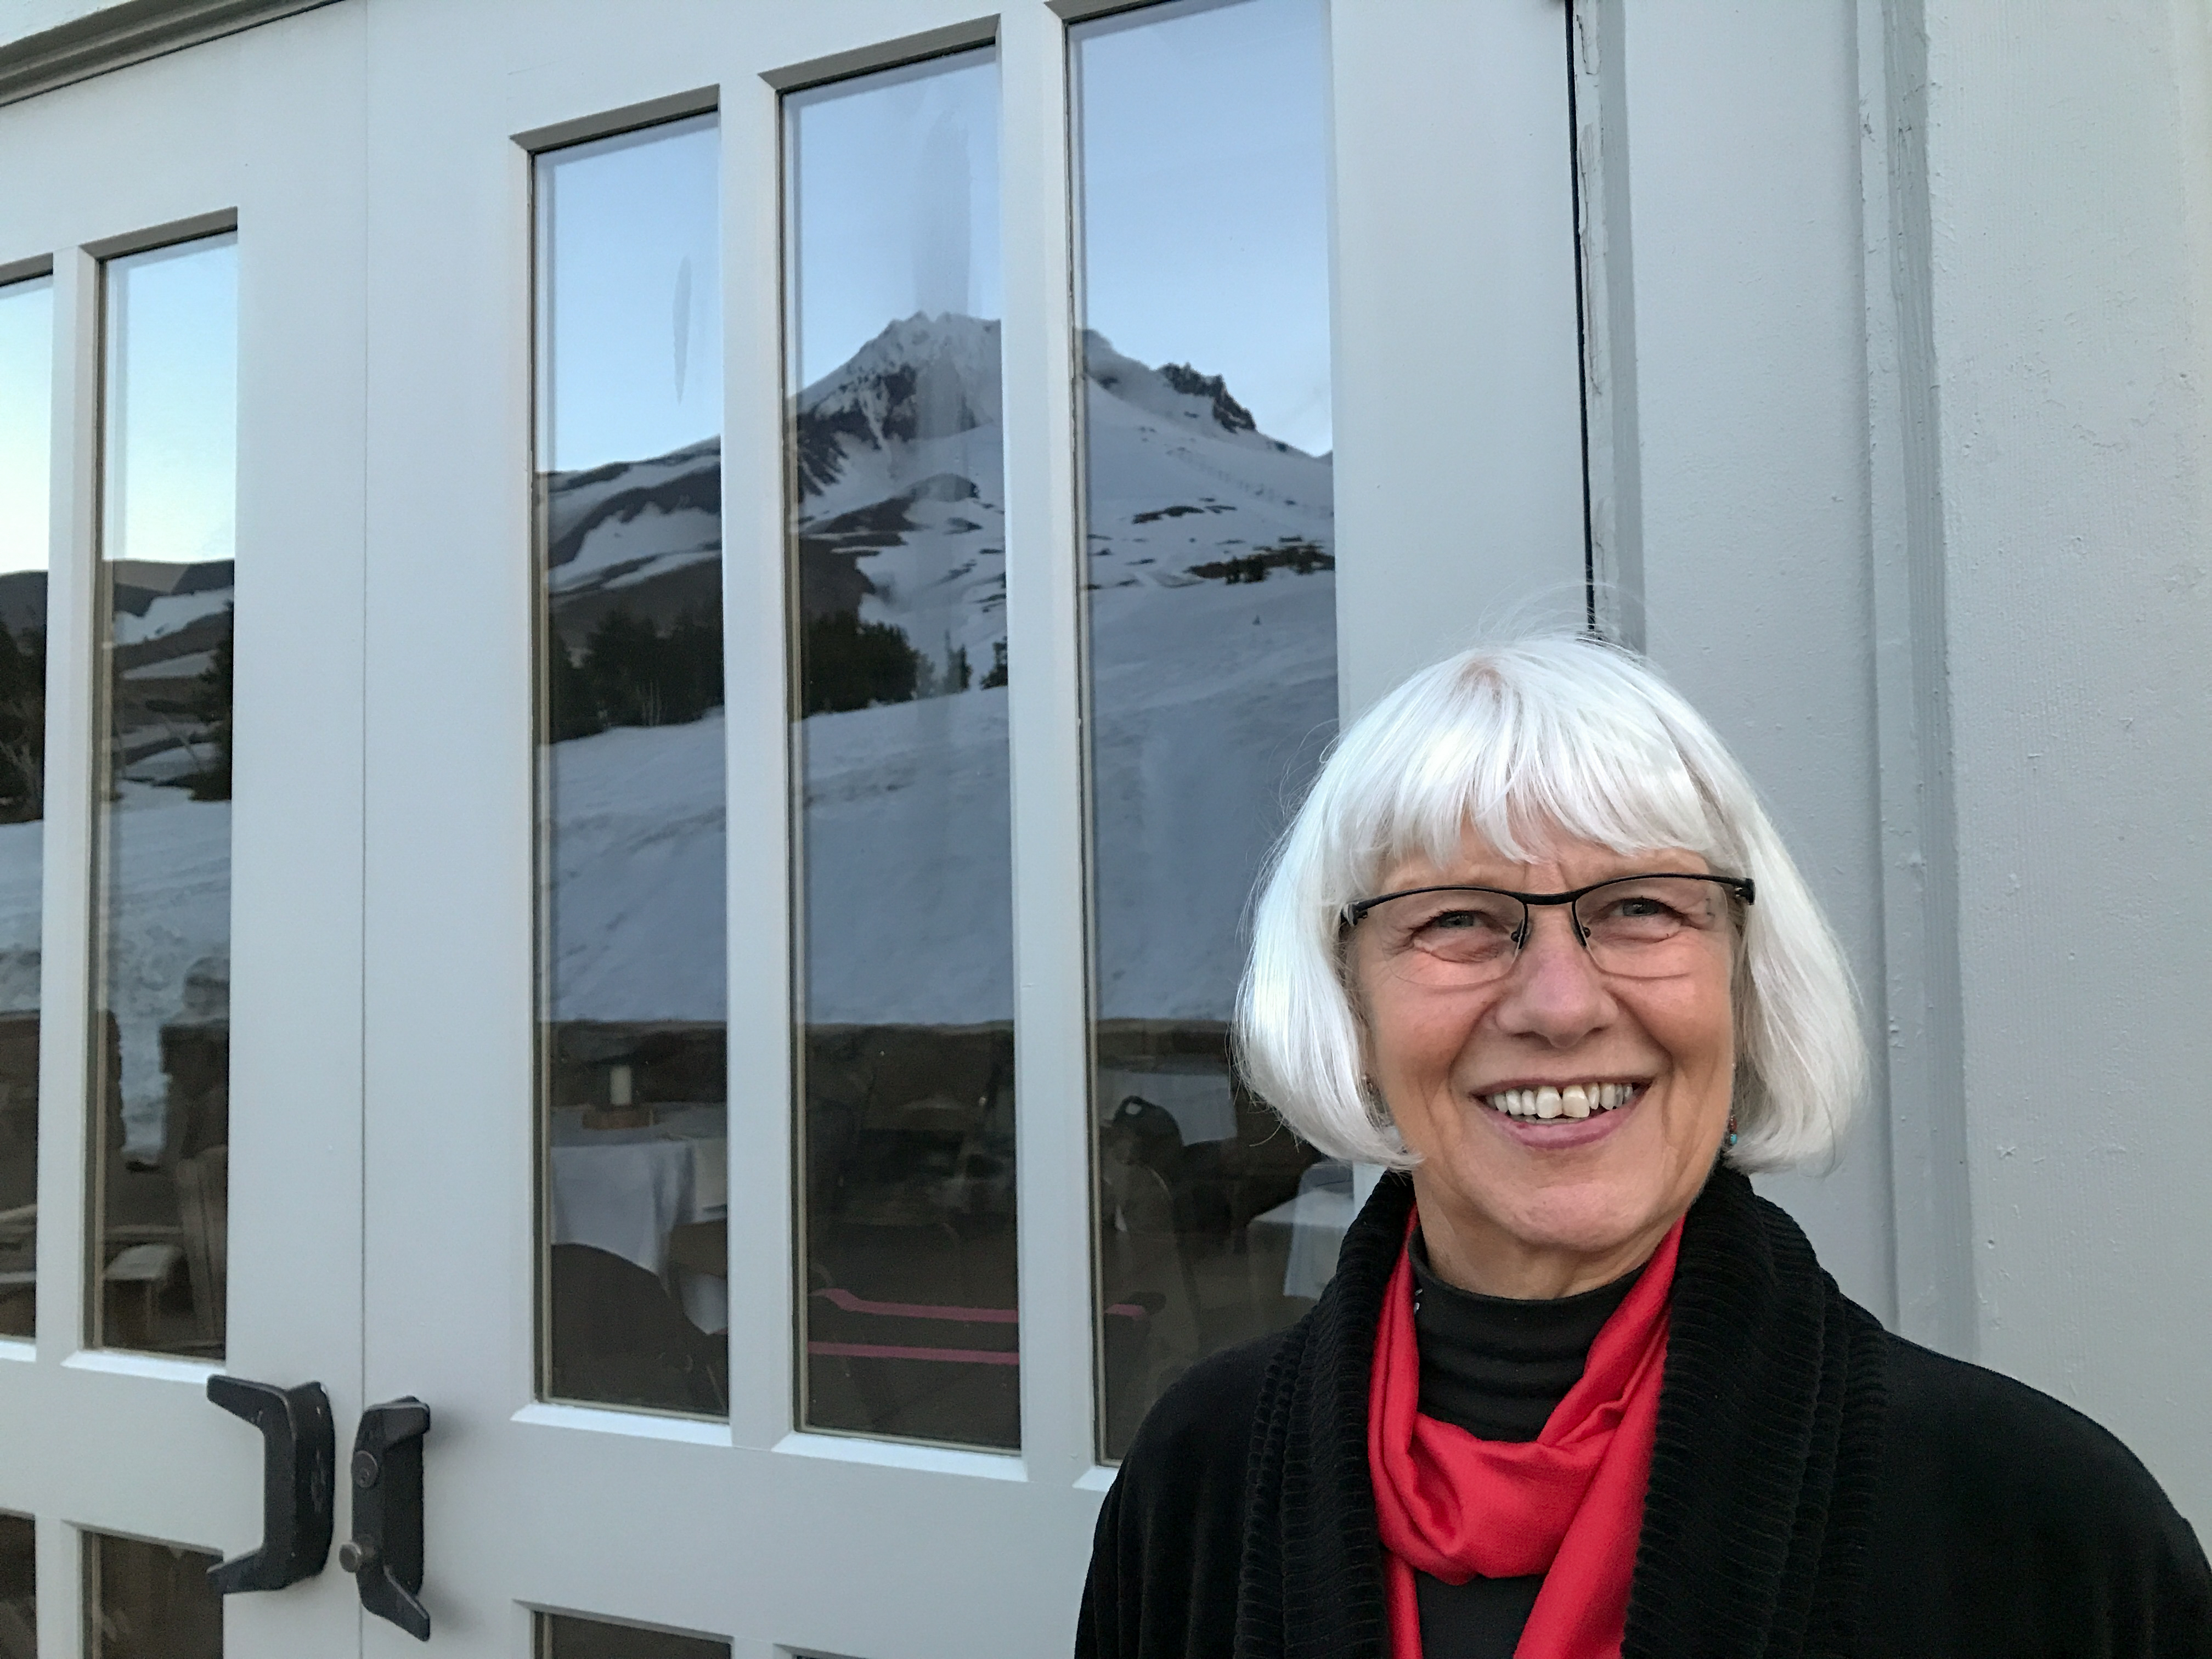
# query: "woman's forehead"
1545,859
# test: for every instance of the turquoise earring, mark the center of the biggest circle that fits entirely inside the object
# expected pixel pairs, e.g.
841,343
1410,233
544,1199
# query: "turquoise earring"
1731,1139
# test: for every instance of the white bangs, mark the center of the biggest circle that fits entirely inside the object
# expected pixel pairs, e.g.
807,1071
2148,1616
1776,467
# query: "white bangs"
1544,739
1514,745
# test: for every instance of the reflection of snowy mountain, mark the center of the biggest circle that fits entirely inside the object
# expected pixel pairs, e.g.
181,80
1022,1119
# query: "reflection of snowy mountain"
1212,652
645,537
902,514
166,854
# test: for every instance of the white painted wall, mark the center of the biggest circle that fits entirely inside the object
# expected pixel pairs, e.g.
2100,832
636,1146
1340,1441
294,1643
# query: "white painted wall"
1913,461
1736,124
2070,167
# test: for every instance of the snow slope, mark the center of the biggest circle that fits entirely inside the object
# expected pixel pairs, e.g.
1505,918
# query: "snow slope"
1212,698
1213,688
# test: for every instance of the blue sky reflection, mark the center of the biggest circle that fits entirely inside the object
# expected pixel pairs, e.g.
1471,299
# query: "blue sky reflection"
1204,169
172,403
27,367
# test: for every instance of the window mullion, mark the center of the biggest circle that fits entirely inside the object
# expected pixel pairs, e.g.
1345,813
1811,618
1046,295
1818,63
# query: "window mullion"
64,1045
1043,609
756,655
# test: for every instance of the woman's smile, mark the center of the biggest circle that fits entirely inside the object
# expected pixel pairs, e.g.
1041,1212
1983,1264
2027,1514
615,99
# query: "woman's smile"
1560,1118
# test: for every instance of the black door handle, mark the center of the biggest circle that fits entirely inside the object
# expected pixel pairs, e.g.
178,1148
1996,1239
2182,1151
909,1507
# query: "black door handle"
384,1555
298,1449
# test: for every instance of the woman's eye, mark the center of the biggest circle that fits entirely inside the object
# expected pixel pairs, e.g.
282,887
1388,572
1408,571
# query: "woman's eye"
1641,911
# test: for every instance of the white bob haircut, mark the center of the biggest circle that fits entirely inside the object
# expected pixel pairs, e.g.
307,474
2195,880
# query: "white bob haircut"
1553,736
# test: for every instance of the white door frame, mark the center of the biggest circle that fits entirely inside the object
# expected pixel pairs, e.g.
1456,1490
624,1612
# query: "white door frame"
261,130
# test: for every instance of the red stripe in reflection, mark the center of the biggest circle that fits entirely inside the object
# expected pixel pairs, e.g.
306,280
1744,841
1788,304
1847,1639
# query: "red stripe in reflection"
878,1351
852,1304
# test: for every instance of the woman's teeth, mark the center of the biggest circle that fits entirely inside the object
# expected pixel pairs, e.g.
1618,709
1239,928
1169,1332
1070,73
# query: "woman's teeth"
1576,1100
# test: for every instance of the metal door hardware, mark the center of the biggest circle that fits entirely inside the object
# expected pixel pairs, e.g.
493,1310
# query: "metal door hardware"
298,1449
384,1555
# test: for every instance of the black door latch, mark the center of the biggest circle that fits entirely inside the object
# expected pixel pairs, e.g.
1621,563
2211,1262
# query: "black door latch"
298,1448
384,1555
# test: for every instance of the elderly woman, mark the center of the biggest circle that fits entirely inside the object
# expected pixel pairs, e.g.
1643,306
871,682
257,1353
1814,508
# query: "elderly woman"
1533,946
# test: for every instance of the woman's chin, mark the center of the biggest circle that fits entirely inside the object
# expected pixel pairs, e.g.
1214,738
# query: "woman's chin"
1591,1216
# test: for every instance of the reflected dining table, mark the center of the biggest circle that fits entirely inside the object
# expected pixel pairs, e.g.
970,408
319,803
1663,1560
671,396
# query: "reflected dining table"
626,1191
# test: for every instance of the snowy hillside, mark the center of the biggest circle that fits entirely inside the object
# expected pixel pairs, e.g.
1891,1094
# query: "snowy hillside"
1213,652
1212,658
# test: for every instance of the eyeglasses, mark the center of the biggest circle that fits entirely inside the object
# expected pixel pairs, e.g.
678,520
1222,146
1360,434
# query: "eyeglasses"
1649,927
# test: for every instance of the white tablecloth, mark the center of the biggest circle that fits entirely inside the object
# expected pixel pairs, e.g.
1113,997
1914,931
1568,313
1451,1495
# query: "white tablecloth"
624,1198
625,1190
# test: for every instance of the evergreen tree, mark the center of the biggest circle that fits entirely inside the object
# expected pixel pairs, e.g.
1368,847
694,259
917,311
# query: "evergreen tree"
22,726
631,673
211,706
572,705
851,663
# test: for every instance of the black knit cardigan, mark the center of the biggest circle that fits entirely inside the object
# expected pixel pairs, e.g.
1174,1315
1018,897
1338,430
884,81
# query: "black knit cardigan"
1818,1487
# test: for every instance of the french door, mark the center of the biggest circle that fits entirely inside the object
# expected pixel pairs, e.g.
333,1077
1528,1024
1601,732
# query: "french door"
787,560
187,250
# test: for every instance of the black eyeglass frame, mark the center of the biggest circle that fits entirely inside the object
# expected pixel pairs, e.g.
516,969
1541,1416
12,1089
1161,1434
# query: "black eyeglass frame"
1741,886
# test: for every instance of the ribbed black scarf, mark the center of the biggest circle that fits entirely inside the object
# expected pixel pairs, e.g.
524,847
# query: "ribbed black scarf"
1756,1521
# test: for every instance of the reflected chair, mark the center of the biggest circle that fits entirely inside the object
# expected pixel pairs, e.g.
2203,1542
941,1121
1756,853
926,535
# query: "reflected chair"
146,1269
1143,1264
18,1277
203,1200
618,1338
698,1270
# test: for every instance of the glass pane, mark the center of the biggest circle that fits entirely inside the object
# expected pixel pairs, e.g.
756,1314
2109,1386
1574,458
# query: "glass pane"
162,881
19,1588
562,1635
633,1096
26,422
150,1602
898,554
1212,649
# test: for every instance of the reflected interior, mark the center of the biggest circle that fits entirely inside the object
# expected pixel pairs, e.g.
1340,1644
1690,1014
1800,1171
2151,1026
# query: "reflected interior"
564,1635
634,1054
19,1588
898,557
1212,613
161,1027
26,422
150,1602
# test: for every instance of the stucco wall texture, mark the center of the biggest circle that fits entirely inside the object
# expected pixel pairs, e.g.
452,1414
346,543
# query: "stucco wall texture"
2069,175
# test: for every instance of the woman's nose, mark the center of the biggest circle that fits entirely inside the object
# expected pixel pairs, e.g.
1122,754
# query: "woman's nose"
1554,991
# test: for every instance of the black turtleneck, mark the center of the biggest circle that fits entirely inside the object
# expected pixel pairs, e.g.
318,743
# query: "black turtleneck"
1495,1366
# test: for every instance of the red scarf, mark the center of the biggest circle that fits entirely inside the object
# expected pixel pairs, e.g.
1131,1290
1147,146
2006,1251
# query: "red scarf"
1568,1505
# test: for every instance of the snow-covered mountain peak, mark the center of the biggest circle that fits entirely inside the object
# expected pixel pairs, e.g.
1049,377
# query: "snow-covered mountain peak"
1176,391
922,378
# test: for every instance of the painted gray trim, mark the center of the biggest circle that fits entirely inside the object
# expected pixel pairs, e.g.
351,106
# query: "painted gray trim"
216,223
887,54
1922,1067
676,106
116,36
26,270
1613,450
